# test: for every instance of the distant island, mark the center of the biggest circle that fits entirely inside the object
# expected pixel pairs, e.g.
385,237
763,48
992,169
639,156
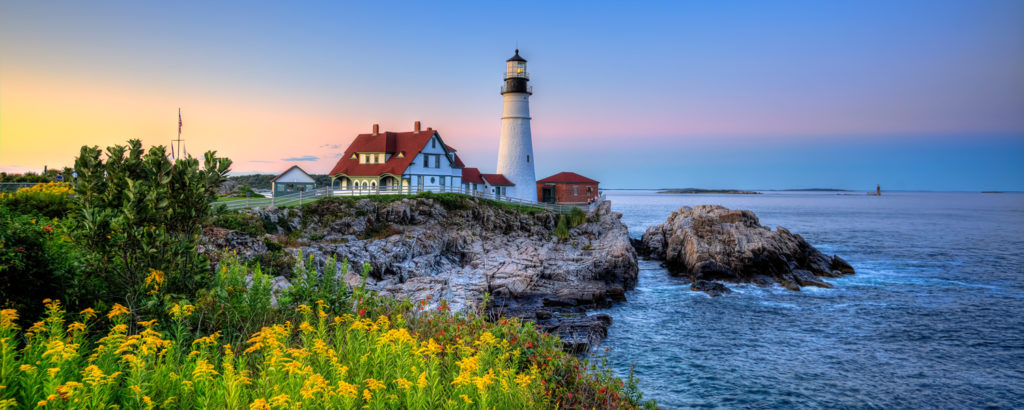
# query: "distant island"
708,191
815,190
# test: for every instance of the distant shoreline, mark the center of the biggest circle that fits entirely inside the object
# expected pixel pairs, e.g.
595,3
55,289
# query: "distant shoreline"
708,191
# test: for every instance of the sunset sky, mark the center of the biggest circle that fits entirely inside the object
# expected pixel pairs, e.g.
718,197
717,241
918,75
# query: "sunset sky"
911,95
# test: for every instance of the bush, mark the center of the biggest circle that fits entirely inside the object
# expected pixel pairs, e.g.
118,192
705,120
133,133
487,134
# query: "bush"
49,200
246,223
37,260
140,213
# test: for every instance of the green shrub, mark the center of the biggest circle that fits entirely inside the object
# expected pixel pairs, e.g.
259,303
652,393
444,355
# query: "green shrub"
37,261
576,217
142,215
246,223
49,200
562,228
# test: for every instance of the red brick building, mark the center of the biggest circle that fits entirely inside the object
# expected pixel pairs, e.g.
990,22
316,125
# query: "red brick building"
567,188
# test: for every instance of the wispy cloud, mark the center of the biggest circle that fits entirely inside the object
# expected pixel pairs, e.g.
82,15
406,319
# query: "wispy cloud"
339,154
302,158
261,161
331,146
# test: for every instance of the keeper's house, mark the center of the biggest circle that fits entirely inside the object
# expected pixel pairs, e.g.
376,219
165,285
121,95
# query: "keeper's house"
387,161
292,181
567,188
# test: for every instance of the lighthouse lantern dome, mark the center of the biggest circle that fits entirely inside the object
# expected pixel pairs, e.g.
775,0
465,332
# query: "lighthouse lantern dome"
516,67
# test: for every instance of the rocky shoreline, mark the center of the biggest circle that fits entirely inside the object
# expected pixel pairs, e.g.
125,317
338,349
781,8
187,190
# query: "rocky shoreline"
712,244
453,250
457,250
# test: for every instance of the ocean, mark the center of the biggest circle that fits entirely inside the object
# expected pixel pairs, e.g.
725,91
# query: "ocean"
933,318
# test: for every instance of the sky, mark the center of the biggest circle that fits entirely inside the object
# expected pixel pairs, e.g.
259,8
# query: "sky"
911,95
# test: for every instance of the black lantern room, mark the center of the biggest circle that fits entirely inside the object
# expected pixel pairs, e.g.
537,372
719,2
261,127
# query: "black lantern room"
516,76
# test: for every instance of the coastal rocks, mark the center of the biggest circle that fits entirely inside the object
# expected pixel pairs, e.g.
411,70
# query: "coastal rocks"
458,250
711,288
712,243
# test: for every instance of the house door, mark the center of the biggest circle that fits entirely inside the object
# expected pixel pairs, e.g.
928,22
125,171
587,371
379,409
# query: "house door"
547,195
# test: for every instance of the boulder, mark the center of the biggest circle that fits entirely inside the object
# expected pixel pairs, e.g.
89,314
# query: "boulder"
714,243
711,288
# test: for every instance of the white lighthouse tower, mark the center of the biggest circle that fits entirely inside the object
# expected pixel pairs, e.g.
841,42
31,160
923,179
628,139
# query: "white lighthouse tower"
515,152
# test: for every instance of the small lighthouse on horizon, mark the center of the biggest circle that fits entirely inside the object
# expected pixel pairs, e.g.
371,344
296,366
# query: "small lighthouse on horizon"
515,150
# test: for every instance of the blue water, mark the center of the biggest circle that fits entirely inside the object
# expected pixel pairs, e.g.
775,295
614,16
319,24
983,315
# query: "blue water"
934,316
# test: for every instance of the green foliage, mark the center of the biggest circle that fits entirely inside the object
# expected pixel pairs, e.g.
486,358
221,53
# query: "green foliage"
238,300
567,221
247,223
140,213
38,261
49,176
49,200
310,287
562,228
576,217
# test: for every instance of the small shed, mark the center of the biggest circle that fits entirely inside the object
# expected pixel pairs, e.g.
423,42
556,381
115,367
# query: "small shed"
292,181
567,188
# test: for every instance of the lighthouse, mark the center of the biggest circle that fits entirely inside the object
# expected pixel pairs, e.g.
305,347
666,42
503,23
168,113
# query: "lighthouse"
515,151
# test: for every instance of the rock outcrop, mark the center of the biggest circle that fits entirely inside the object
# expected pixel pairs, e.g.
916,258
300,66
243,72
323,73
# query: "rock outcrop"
712,243
456,250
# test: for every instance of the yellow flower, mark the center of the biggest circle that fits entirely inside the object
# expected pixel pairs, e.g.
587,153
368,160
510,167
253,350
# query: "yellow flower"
27,368
422,382
7,318
486,339
280,400
203,371
347,390
484,381
118,310
259,404
403,384
180,311
374,384
367,395
524,380
305,309
466,399
88,313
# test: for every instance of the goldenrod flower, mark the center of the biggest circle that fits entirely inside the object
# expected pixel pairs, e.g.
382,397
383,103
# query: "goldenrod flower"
466,399
259,404
279,400
88,313
203,371
7,318
118,310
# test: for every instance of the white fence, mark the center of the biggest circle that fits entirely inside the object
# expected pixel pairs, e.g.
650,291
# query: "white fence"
300,198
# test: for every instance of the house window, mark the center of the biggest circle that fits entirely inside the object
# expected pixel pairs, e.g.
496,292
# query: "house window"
437,161
426,161
575,190
527,159
376,158
590,191
433,143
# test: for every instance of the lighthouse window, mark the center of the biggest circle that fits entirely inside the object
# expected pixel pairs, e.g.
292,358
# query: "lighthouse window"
527,158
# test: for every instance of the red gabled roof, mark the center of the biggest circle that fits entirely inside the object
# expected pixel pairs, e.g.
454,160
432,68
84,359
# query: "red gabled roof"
450,148
568,178
471,176
289,169
410,143
458,161
496,179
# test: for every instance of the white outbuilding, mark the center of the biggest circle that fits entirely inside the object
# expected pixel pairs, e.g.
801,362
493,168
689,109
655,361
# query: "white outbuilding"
292,181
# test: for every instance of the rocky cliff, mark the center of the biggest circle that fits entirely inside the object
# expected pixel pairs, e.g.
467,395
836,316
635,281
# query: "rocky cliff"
711,243
457,249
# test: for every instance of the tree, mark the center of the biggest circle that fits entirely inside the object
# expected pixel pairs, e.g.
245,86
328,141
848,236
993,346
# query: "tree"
142,214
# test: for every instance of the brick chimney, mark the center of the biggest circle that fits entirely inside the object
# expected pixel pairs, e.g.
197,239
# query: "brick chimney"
376,129
416,127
